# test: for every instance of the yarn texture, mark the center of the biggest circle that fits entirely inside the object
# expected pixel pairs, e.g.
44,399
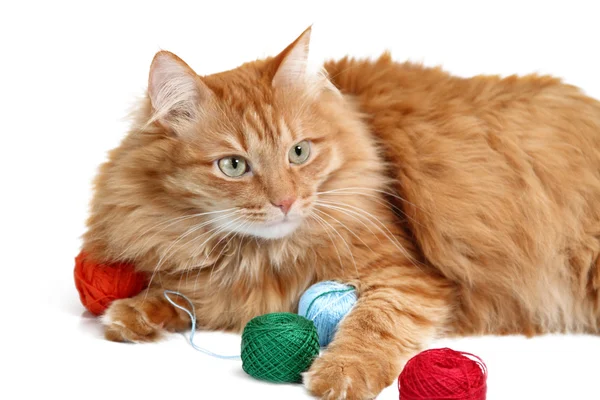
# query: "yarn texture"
443,374
278,347
100,284
326,304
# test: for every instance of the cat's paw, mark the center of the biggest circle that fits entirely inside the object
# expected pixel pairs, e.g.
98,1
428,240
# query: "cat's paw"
144,318
347,376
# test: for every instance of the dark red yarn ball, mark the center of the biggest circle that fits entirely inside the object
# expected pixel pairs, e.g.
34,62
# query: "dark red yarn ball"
443,374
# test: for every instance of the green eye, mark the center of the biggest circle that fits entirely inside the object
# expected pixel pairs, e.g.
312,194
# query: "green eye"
233,166
299,152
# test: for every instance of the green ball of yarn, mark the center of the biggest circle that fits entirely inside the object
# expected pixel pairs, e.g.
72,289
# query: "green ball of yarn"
278,347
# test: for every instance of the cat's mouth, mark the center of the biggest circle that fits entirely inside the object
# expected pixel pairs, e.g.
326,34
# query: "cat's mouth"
276,229
285,220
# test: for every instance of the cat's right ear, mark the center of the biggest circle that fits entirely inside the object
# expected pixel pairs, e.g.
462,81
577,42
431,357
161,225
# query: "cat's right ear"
176,93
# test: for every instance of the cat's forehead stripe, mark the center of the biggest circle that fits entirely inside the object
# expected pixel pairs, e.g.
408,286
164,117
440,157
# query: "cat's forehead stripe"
255,123
285,132
265,125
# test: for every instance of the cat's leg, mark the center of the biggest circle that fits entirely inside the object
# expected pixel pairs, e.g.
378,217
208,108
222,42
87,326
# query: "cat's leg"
144,318
399,310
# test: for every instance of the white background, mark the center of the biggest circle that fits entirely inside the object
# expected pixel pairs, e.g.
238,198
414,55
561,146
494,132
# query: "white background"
69,73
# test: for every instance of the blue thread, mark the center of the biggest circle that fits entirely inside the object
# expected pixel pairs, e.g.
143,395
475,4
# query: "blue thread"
192,316
326,304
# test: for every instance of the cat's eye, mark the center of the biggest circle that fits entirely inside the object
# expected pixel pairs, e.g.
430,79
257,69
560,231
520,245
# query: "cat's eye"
234,166
300,152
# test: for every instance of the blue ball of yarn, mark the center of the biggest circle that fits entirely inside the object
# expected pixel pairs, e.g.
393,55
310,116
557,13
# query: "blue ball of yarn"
325,304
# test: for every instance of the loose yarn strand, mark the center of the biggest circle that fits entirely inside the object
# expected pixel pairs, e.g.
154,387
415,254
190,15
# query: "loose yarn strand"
192,316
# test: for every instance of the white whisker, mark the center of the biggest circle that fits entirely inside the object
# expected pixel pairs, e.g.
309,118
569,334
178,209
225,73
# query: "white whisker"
379,200
236,232
389,235
190,265
317,218
183,236
343,240
374,190
219,230
169,223
354,218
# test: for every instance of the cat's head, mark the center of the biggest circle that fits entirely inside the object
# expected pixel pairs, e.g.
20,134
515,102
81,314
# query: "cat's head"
253,146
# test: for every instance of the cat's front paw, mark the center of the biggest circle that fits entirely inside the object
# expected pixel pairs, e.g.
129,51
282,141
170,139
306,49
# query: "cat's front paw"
338,375
143,318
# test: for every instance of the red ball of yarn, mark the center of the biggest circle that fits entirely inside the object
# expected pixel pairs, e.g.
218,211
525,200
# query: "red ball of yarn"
443,374
100,284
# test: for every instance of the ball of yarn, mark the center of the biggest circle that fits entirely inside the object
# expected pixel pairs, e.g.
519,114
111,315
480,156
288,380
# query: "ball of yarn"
443,374
325,304
278,347
100,284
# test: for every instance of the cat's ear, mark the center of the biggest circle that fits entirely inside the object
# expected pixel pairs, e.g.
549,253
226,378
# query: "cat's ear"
292,63
292,68
176,93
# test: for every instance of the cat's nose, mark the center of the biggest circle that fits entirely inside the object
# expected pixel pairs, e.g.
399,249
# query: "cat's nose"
285,204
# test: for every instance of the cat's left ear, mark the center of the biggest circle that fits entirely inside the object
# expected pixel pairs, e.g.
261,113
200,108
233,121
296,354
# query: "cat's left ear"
292,69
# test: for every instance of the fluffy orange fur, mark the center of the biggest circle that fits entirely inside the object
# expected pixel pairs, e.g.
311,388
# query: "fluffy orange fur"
456,206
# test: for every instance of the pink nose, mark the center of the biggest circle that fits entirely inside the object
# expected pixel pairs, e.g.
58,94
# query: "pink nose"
285,204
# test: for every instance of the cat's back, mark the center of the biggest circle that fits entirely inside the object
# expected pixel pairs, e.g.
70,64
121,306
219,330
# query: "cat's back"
501,178
386,88
440,126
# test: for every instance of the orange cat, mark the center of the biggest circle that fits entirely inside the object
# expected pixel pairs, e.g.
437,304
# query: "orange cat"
456,206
